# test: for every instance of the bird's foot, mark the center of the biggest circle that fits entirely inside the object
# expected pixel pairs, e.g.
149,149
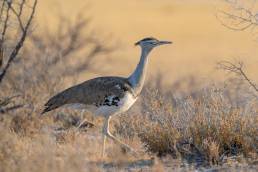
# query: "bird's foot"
85,124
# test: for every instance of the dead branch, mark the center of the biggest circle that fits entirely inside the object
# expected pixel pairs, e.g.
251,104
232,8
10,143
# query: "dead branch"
237,68
6,102
12,108
239,20
238,16
61,53
24,28
71,40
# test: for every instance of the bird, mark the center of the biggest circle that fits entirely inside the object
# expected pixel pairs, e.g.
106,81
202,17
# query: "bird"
108,96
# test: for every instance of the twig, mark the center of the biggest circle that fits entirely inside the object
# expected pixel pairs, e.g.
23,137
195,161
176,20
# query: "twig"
241,20
2,9
5,23
18,18
19,44
21,8
237,69
15,107
7,100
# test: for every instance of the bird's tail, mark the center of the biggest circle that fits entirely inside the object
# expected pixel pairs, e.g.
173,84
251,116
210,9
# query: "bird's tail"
54,103
46,109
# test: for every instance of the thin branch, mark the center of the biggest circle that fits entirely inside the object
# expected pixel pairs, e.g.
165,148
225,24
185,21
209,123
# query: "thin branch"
2,9
19,44
21,8
5,23
237,68
18,18
235,18
15,107
7,100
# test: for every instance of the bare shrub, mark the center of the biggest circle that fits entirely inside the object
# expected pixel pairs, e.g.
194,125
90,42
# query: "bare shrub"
237,69
50,59
238,16
47,61
15,22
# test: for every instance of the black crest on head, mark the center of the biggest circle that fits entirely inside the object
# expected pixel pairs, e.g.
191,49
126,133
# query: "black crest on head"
149,39
146,39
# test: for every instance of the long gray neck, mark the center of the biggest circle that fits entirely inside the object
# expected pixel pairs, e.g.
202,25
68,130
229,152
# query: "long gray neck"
138,76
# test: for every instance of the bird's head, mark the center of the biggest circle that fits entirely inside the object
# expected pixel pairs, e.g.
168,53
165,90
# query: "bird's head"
150,43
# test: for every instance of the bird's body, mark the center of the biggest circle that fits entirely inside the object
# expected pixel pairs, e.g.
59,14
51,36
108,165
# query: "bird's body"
103,96
108,96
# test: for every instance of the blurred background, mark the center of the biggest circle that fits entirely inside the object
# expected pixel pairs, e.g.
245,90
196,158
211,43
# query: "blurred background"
200,40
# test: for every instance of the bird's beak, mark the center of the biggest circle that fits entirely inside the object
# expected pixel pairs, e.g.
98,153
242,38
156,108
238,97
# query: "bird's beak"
137,43
164,42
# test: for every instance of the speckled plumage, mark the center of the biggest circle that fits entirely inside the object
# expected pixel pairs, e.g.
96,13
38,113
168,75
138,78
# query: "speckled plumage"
102,91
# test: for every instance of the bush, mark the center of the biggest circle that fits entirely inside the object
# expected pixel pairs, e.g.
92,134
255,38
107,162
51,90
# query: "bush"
205,125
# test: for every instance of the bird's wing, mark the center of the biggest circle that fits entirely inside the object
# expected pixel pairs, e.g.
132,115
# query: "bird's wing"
97,91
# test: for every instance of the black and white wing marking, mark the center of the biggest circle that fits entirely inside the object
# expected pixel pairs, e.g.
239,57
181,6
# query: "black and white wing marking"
111,101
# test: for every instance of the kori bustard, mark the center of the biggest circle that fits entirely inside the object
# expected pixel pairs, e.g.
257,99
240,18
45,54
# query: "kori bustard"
108,96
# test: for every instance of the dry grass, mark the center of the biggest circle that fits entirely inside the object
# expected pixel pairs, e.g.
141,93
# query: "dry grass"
186,126
203,128
195,131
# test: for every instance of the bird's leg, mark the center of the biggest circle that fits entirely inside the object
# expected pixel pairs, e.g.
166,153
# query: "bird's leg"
104,138
107,133
104,145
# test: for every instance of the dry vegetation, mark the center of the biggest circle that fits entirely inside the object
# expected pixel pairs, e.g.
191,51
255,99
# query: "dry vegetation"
206,126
